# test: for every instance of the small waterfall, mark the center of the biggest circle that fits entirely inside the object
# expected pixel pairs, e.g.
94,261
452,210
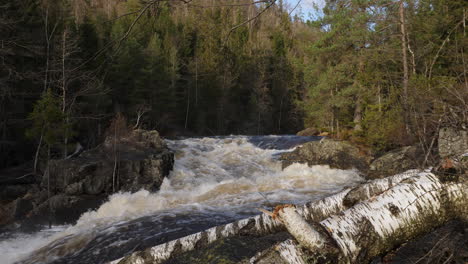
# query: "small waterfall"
215,180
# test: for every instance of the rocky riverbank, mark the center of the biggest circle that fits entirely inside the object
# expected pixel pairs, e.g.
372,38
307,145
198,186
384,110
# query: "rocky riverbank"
72,186
260,239
340,154
263,239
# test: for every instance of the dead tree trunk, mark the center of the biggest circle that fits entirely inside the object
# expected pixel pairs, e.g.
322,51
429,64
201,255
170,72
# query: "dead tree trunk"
263,224
38,149
390,211
64,92
377,225
404,51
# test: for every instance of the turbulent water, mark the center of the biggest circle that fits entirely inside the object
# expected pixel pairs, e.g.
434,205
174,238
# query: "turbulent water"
215,180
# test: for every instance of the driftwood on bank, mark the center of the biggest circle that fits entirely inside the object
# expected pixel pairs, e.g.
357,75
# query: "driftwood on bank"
263,224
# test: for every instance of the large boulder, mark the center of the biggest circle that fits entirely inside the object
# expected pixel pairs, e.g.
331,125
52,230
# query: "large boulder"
71,186
453,150
337,154
22,207
396,161
452,142
308,132
141,161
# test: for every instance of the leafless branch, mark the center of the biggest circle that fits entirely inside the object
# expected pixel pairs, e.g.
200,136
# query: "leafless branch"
292,10
249,20
442,46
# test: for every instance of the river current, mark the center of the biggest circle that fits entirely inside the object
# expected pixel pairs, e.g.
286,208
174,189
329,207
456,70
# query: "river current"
215,180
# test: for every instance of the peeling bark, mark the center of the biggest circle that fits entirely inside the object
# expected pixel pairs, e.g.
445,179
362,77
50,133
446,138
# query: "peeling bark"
263,224
370,228
302,231
289,250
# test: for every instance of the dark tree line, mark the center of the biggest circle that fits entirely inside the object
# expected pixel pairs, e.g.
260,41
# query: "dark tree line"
386,73
181,67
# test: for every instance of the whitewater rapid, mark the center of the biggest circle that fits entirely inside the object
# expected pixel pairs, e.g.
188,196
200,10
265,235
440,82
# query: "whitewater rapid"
214,181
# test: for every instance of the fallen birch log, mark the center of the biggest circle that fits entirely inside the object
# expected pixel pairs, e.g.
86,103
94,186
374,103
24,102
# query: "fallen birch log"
370,228
263,224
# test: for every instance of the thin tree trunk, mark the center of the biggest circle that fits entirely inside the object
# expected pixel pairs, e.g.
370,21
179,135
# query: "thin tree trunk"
358,116
46,72
413,59
38,150
405,64
379,98
188,108
280,114
64,90
221,105
196,82
332,123
114,172
48,187
357,120
48,37
65,140
337,127
258,122
426,157
64,93
447,39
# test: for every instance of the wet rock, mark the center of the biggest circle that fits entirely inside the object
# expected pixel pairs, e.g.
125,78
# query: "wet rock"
141,162
22,207
396,161
308,132
148,139
6,212
452,142
337,154
74,188
63,208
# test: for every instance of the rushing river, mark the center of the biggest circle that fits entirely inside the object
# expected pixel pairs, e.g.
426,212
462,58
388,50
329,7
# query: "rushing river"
215,181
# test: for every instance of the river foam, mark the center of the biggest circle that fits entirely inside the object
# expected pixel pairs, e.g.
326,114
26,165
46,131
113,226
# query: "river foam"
225,173
228,177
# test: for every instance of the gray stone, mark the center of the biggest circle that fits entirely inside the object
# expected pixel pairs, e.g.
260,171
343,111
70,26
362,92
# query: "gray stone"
396,161
22,207
452,142
337,154
142,161
308,132
74,188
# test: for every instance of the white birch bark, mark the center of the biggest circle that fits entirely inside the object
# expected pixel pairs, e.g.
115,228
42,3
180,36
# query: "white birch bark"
263,224
370,228
302,231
